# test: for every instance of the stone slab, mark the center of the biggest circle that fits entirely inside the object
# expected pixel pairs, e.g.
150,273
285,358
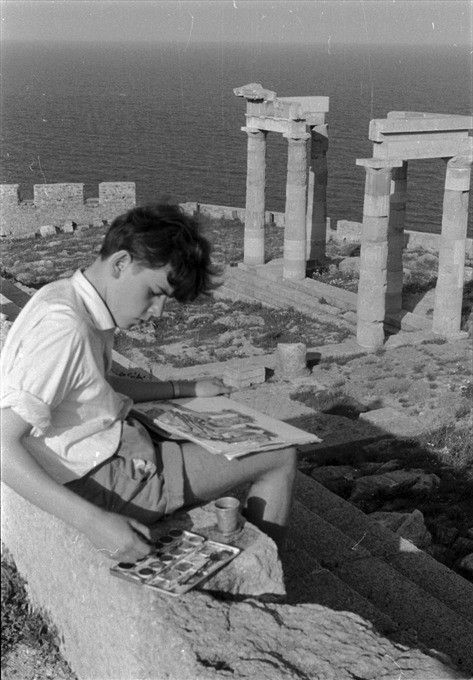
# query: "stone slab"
114,630
392,421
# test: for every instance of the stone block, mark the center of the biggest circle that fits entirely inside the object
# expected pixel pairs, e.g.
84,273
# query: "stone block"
374,228
244,376
389,484
391,421
348,231
409,525
68,227
48,230
376,206
373,255
279,219
9,195
369,335
189,208
117,192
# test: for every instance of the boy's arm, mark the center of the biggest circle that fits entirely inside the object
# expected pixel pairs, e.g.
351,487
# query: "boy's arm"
149,390
112,534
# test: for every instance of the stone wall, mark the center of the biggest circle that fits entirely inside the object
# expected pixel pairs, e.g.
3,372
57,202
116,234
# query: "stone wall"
54,205
350,232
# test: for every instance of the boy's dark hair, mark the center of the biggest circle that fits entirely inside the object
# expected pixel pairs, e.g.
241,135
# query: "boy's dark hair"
160,234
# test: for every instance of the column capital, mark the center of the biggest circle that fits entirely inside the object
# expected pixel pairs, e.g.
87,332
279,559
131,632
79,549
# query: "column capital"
379,163
462,161
300,138
458,173
252,130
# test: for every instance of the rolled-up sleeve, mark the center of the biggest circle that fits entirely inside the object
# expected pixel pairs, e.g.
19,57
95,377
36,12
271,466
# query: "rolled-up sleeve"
42,370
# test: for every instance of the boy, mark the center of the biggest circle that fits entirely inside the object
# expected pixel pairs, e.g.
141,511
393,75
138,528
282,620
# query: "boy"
69,444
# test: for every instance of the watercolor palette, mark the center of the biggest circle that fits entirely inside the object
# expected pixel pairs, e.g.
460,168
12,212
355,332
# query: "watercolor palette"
179,561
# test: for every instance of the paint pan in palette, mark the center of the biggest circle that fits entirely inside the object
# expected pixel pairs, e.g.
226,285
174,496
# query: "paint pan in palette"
180,561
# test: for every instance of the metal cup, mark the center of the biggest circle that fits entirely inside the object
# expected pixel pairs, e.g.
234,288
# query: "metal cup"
227,511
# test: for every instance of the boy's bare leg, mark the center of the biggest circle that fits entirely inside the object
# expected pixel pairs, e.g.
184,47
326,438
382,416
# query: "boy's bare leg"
270,473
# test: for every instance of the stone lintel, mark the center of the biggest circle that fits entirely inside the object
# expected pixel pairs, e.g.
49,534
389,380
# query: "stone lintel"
407,148
420,123
309,104
379,163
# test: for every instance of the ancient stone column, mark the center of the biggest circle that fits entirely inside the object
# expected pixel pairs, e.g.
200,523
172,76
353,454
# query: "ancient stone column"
449,289
255,185
371,301
294,266
316,224
397,214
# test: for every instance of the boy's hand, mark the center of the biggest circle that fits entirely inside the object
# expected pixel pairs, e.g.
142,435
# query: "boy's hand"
119,537
210,387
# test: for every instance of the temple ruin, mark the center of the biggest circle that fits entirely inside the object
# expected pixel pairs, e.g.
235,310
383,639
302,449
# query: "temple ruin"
400,137
397,139
301,120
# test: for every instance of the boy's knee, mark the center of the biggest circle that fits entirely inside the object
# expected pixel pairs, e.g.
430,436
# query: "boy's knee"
287,458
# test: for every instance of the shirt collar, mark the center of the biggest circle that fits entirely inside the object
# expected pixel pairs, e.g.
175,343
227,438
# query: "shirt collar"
93,302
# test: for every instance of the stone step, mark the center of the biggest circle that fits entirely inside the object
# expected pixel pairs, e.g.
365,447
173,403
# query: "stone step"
440,581
376,578
307,581
242,283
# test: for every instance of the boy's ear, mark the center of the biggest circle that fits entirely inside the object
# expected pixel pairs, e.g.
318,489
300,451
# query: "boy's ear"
119,261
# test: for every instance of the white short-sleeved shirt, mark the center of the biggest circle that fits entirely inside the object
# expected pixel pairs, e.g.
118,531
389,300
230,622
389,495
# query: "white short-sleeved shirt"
53,369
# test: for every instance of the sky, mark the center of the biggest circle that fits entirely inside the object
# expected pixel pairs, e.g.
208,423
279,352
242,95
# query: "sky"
228,21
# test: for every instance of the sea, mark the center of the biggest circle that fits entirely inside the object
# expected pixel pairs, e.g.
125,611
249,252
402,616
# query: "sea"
165,116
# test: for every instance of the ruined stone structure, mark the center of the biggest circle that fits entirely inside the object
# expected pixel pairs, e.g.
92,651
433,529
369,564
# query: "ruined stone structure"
53,205
301,120
401,137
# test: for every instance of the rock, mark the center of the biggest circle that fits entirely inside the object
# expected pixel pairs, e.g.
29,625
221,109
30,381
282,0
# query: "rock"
444,533
47,230
409,525
463,546
336,478
68,227
378,467
393,483
348,231
53,244
349,265
256,571
466,563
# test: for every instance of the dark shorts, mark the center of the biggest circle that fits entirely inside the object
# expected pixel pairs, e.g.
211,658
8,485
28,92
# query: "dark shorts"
142,489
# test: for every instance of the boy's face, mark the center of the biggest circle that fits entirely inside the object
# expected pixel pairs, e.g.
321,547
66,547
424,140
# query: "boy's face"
137,292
